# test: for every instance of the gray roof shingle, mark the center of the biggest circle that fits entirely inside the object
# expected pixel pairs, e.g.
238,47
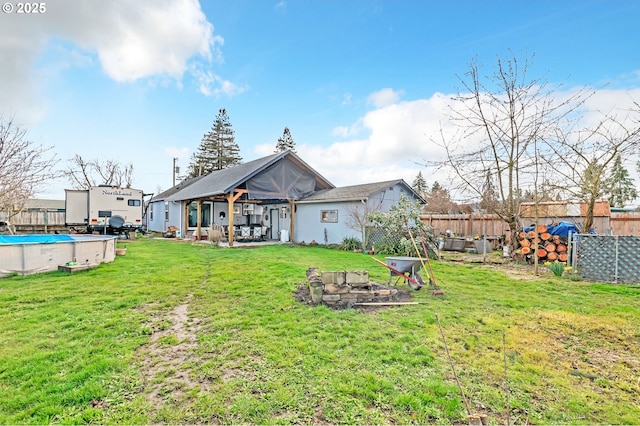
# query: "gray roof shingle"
226,180
354,192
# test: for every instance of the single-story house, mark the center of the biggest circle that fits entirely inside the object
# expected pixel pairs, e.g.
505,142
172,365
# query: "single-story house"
278,197
330,215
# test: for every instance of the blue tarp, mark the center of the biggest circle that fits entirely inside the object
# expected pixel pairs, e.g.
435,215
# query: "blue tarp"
561,229
34,239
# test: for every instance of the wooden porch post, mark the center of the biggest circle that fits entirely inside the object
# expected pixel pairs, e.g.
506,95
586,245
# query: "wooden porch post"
230,216
231,198
199,219
185,230
292,206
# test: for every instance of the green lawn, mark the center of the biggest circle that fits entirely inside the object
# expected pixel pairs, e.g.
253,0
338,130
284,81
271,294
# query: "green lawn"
176,332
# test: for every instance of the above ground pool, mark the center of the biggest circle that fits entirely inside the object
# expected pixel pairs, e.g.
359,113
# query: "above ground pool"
32,254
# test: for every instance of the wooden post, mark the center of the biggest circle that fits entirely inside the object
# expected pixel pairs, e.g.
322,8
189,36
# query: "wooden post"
292,206
231,198
185,230
199,219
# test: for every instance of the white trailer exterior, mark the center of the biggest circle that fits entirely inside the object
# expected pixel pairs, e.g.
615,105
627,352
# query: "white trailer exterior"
101,207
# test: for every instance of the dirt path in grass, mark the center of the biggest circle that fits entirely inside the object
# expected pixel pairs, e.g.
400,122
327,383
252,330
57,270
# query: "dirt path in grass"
166,360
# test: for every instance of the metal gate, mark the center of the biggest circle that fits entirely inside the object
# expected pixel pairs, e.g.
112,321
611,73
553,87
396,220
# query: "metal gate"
606,258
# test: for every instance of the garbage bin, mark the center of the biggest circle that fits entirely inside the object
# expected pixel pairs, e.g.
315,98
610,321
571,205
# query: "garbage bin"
284,235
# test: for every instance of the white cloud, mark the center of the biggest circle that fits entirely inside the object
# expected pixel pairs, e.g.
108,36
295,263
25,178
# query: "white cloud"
384,97
399,139
230,89
607,100
131,39
135,40
400,133
341,131
211,84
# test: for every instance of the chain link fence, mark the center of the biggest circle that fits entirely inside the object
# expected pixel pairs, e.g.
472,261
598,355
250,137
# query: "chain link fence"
606,258
400,243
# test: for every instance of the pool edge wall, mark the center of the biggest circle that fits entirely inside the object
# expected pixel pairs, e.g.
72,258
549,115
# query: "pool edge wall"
26,258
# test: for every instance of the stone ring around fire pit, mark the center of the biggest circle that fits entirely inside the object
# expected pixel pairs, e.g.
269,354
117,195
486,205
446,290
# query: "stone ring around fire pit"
347,289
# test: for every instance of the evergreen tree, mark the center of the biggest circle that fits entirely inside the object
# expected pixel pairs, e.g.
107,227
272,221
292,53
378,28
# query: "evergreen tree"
420,185
489,199
285,142
439,200
620,185
218,149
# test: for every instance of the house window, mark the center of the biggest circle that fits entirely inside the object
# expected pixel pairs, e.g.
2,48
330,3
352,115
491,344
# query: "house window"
329,216
151,213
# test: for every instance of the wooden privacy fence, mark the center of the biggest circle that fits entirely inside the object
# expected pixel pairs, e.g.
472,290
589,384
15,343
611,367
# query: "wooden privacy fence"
625,223
32,217
38,221
470,225
622,223
463,224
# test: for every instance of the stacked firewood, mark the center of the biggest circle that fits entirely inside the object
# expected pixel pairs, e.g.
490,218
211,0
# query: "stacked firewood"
549,247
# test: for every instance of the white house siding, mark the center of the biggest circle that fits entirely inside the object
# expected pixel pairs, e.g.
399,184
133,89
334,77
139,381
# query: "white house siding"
383,200
157,218
310,227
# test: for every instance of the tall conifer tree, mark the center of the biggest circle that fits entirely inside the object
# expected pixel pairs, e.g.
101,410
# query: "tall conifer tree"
218,149
285,142
620,185
420,185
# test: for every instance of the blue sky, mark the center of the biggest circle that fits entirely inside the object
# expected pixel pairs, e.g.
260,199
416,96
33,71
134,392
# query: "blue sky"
361,84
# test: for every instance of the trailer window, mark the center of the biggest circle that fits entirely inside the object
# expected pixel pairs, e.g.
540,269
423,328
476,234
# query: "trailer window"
135,203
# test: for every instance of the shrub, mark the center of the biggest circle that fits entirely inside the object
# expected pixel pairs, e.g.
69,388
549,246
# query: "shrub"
351,244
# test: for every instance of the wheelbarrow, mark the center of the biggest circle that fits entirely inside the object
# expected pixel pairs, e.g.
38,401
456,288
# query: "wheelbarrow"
405,268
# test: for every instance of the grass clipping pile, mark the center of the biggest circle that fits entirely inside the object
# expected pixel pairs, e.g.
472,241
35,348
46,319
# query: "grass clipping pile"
348,289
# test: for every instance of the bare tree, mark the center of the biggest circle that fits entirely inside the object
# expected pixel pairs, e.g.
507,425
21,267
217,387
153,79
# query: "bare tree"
24,167
500,119
83,174
358,218
583,158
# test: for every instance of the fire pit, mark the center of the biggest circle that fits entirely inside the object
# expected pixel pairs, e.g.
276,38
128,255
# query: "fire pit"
348,289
